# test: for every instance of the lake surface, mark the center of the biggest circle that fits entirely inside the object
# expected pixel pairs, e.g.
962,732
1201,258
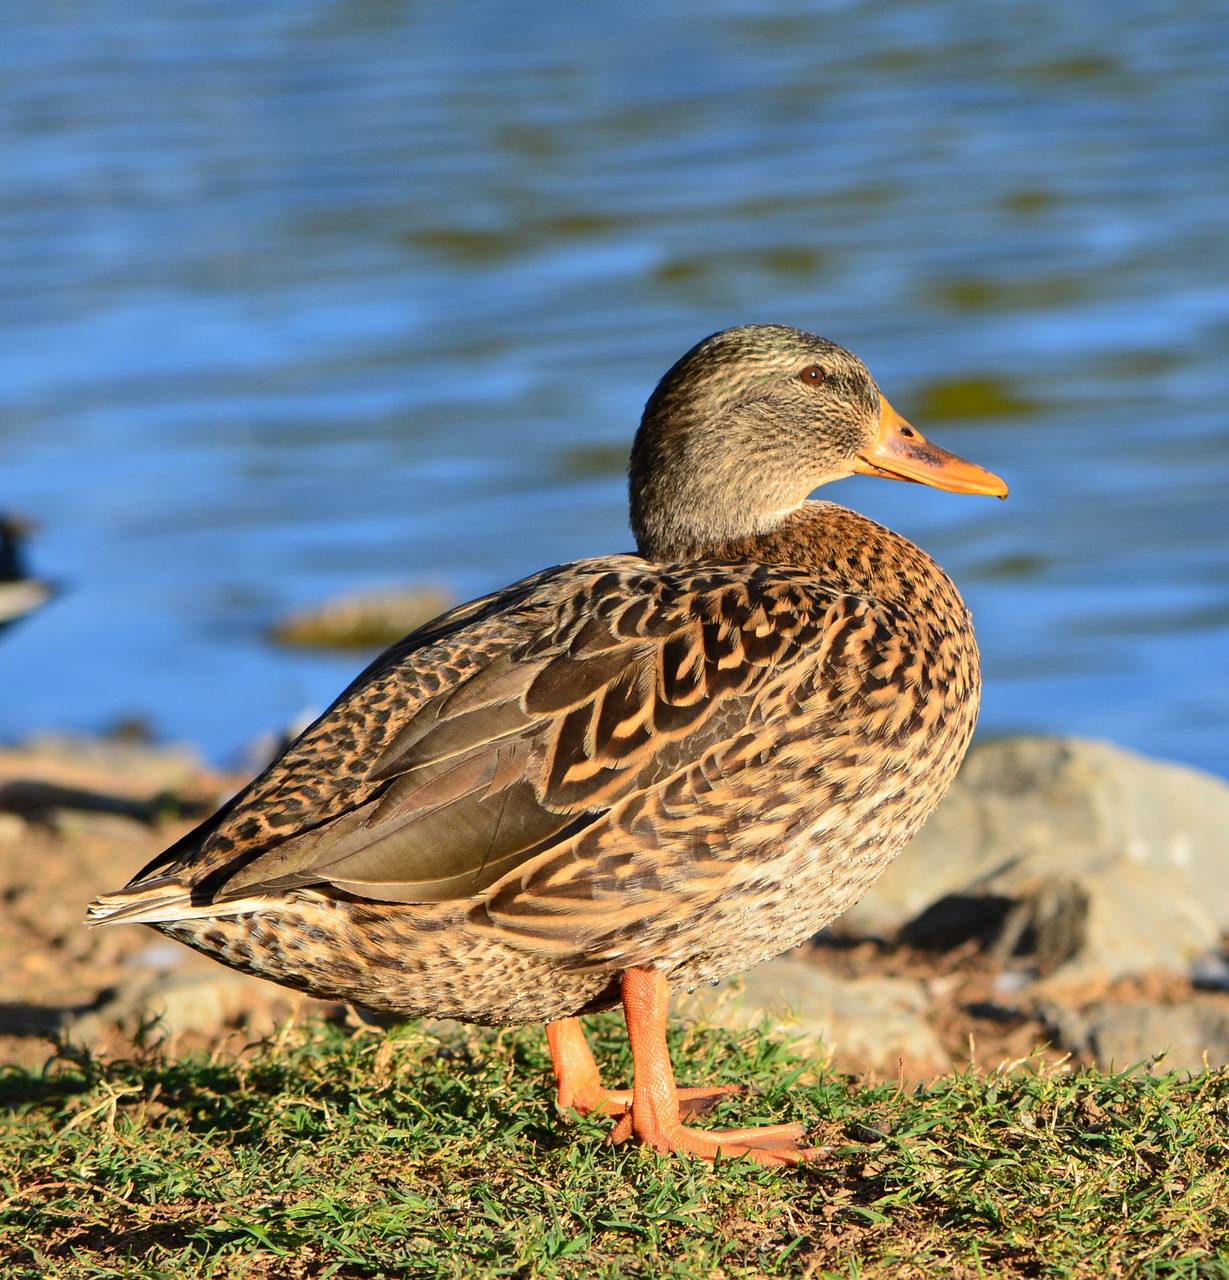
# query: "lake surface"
297,298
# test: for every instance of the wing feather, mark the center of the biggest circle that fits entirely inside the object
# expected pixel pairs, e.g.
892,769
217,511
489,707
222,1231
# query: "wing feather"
605,698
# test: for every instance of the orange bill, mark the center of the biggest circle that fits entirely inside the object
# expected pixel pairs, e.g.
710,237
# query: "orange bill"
901,452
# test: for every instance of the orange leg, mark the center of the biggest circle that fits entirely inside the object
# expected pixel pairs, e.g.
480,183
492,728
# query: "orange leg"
577,1079
579,1083
656,1116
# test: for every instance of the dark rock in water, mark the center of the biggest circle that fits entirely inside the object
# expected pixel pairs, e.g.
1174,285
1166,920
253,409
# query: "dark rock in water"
363,620
20,594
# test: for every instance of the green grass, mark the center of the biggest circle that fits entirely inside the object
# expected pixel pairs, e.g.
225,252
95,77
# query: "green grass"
424,1154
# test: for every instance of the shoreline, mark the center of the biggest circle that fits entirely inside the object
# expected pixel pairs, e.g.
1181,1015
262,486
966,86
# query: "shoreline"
1066,893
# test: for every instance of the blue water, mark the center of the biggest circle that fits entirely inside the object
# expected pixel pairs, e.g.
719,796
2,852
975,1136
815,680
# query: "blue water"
303,297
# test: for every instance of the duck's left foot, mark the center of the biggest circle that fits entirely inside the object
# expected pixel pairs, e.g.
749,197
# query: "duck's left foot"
579,1083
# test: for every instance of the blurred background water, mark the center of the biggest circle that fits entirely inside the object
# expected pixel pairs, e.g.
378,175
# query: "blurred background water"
306,296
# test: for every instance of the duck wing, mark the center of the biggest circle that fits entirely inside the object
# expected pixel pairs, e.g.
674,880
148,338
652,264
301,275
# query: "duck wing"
503,730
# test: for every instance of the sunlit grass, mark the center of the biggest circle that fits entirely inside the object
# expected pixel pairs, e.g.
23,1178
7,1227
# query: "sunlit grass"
439,1154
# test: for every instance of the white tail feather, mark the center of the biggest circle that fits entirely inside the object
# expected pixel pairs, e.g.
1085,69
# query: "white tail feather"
164,905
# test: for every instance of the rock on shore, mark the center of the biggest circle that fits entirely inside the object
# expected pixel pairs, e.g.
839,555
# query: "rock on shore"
1134,850
1097,879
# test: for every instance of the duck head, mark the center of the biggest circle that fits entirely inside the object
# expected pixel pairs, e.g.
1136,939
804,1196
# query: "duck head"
750,422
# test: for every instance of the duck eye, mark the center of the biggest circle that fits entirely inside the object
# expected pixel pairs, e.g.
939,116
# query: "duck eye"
812,375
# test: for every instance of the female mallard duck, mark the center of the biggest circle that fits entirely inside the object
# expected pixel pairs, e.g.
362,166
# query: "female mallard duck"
625,775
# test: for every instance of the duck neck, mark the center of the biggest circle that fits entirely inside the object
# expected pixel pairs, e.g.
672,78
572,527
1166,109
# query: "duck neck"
847,551
687,498
697,526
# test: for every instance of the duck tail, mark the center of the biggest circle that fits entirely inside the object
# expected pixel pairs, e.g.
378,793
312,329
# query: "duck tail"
160,902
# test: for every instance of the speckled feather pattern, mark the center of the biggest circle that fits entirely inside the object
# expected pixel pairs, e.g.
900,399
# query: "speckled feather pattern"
689,762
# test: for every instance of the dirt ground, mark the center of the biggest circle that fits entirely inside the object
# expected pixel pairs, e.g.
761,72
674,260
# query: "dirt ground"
78,818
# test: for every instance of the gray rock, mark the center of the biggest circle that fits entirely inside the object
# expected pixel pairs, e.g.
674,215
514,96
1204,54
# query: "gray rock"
1122,1033
186,1001
871,1024
69,758
1051,820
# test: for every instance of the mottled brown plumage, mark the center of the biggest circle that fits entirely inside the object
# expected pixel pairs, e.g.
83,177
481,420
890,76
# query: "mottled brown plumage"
621,774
